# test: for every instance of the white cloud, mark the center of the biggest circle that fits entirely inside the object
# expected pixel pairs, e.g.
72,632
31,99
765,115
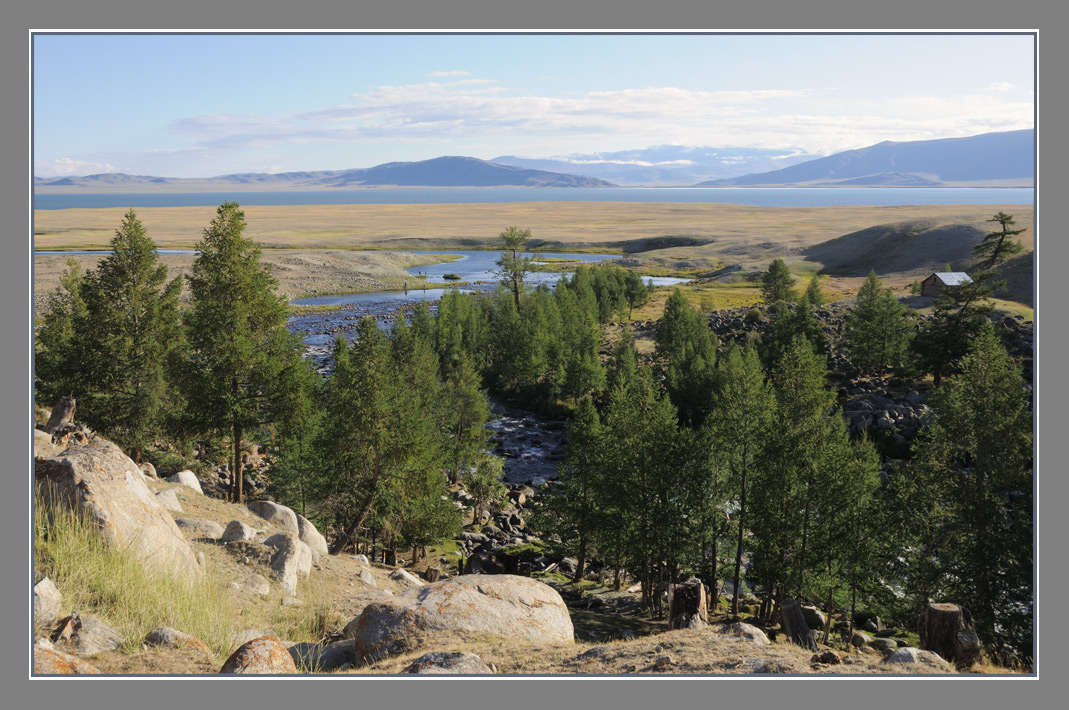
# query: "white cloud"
1000,86
68,166
455,72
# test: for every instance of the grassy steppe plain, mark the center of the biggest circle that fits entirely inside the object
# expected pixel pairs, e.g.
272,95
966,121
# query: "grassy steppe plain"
655,237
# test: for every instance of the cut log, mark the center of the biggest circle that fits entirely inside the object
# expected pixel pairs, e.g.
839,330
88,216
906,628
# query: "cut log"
687,606
62,414
794,625
947,630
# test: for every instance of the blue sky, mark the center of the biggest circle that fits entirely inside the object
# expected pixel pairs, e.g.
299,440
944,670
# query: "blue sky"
202,105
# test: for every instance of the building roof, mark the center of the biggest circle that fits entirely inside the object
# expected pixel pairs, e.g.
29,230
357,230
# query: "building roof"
953,278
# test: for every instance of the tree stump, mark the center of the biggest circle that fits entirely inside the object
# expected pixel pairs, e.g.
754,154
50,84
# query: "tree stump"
686,605
947,630
62,414
432,574
794,625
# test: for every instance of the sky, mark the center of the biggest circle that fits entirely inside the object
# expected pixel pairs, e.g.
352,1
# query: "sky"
213,104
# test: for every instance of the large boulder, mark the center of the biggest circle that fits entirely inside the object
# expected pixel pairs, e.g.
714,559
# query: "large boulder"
278,514
517,608
308,534
292,559
448,663
909,656
200,528
169,500
259,656
90,636
43,446
47,603
744,632
317,658
814,617
237,531
108,486
187,479
406,577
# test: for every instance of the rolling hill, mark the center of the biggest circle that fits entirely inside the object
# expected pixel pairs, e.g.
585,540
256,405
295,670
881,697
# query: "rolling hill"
1004,159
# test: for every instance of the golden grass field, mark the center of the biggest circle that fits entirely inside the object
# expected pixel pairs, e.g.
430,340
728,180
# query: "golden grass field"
919,236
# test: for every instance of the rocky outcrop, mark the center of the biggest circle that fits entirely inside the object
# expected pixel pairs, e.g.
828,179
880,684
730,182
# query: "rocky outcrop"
187,479
308,534
448,663
102,481
237,531
200,528
47,603
292,559
265,655
517,608
173,638
48,661
278,514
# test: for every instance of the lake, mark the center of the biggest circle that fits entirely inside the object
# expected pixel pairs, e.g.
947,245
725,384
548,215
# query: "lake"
756,196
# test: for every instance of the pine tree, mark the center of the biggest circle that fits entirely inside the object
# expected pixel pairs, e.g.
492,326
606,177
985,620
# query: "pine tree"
513,267
636,292
740,426
958,314
813,292
236,331
130,324
466,411
977,466
997,246
776,283
58,367
787,324
684,340
878,332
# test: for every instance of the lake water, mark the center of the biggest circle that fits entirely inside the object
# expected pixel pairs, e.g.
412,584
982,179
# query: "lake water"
474,267
756,196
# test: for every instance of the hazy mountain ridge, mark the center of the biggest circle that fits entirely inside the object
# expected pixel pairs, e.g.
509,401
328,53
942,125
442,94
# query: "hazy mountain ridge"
446,171
665,165
1004,159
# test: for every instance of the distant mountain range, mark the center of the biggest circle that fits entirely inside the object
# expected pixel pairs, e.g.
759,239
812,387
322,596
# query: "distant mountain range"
665,165
1004,159
990,160
447,171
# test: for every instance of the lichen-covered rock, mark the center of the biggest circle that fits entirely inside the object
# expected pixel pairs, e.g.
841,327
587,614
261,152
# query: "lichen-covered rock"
200,528
238,531
173,638
367,578
278,514
254,584
517,608
448,663
308,534
47,603
91,636
264,655
47,661
188,479
101,480
43,446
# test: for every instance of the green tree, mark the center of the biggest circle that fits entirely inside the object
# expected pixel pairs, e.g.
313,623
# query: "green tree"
975,467
513,267
741,424
684,340
958,314
636,292
787,323
129,325
236,331
57,361
466,412
997,246
485,485
878,332
776,283
813,292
